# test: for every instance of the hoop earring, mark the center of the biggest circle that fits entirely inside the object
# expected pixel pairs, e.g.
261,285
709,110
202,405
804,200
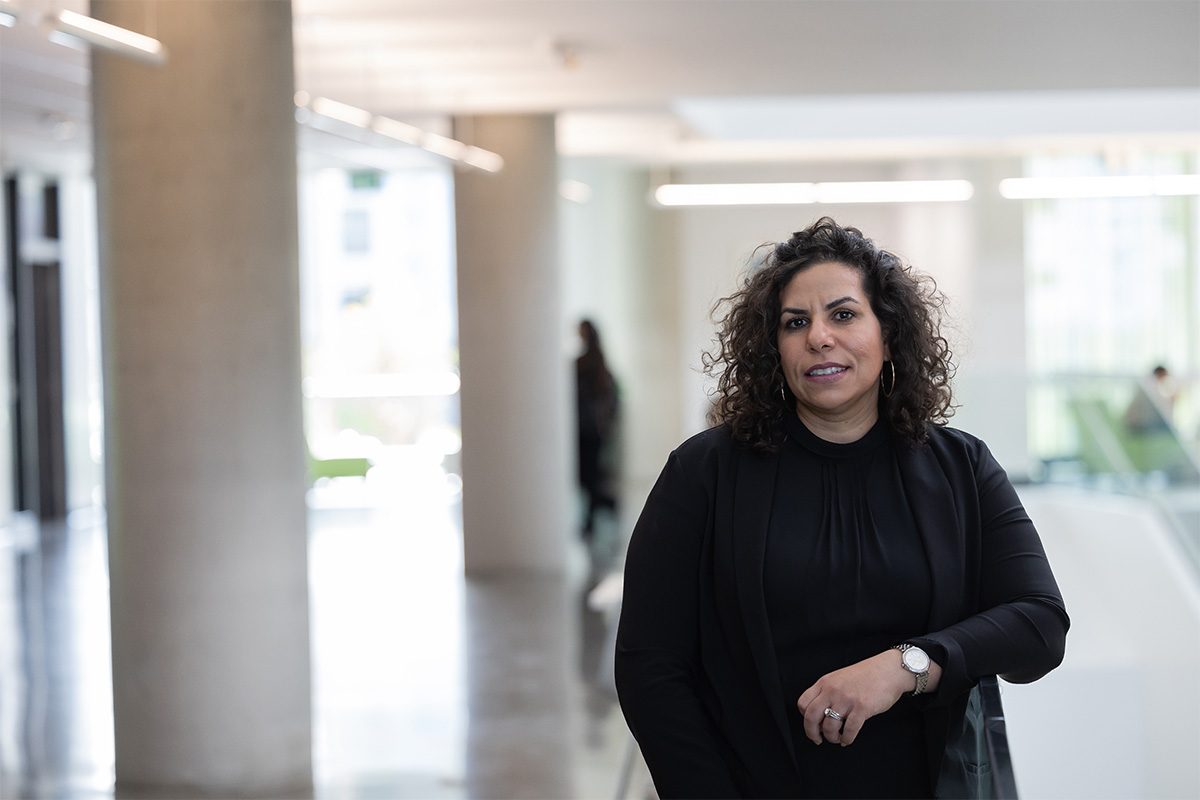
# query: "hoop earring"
783,392
888,389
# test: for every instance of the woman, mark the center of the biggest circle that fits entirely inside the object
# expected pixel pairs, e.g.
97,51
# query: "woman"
816,584
596,417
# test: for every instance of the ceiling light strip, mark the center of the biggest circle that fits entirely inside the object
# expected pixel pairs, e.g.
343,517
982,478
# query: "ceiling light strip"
740,194
365,122
110,37
1100,186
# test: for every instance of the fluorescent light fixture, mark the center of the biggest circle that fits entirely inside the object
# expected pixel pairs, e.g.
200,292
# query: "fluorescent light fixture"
1100,186
366,122
111,37
740,194
8,13
734,194
67,40
575,191
351,115
1177,184
482,159
400,131
895,192
444,146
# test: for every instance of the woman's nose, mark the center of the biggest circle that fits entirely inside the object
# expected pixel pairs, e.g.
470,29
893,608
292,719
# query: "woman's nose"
819,336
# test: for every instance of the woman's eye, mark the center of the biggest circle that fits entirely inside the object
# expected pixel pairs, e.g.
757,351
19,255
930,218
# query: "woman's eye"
796,322
843,315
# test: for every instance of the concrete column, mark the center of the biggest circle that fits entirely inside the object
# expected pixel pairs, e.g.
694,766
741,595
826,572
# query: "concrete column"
196,185
995,389
517,476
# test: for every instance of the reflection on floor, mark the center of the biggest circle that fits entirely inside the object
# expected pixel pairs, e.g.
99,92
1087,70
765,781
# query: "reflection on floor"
55,679
424,685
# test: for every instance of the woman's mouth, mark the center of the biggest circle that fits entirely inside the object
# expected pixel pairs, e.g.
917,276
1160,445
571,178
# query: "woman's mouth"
817,372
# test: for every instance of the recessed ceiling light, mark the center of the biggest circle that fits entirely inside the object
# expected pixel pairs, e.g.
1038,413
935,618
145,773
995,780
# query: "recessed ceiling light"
735,194
1099,186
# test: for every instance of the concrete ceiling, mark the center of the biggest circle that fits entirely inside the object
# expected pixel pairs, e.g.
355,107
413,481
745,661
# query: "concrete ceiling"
680,80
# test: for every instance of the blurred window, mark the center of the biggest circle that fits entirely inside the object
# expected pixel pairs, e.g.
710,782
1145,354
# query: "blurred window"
379,320
1113,288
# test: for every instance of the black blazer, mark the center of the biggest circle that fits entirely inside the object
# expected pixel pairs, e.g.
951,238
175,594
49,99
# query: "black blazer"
695,664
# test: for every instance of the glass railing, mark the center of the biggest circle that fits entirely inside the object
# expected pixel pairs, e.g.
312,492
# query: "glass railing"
1108,429
1123,435
1004,779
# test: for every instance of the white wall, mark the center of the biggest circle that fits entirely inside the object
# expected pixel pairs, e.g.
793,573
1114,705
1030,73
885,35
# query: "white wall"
622,272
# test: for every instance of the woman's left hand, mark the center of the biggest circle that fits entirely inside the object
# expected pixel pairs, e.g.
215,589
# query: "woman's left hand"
856,693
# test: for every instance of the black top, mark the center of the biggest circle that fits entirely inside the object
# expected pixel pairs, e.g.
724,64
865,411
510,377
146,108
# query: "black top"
696,662
845,577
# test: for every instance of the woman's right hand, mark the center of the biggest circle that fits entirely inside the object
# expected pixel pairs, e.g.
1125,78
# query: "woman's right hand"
856,693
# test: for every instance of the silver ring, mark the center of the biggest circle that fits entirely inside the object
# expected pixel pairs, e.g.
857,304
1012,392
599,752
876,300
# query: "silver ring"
829,712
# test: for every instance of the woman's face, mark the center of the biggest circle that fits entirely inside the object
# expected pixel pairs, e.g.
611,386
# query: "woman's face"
832,350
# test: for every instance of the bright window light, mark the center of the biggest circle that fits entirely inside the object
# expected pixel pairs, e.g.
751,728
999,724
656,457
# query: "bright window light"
1099,186
735,194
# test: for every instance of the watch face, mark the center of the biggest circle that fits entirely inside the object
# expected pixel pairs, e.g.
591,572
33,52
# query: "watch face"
916,659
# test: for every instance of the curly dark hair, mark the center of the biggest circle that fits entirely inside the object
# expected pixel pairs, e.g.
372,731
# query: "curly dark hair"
752,395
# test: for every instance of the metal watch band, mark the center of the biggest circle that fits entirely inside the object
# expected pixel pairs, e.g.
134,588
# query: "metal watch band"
922,677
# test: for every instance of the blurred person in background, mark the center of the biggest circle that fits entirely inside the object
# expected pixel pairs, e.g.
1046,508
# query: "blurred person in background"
1153,405
597,407
816,584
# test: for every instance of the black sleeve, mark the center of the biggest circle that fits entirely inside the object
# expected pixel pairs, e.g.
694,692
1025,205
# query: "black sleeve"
1021,628
657,654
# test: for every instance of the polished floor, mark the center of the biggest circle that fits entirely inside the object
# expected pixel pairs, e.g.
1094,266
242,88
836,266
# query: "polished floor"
425,685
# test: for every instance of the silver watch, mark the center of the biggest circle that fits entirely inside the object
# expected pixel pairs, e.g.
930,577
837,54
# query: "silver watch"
916,661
